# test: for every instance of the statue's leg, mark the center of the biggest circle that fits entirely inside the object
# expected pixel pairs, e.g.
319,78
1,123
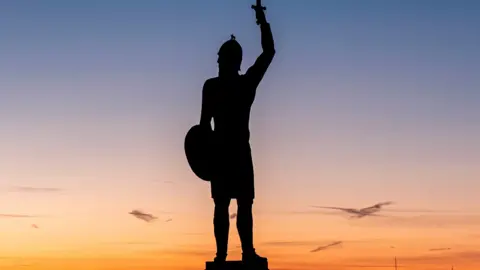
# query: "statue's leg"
245,224
245,230
221,224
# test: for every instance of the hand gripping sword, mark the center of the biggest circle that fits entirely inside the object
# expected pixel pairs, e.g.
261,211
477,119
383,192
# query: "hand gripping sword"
258,8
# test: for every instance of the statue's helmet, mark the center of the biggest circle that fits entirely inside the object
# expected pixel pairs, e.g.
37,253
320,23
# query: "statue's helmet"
230,53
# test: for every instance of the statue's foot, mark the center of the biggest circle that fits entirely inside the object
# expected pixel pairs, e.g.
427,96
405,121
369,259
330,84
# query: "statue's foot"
220,259
253,257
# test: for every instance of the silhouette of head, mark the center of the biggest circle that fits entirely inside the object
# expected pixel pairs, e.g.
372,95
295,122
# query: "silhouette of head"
230,56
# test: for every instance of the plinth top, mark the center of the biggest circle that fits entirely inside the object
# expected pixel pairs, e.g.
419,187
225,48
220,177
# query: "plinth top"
235,265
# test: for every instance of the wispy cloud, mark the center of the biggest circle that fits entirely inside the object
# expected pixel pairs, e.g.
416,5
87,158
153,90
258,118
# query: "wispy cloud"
439,249
314,212
436,221
336,243
34,189
342,211
16,216
423,211
320,245
143,216
314,242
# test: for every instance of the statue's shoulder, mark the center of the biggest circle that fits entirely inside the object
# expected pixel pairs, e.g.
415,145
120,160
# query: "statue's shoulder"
210,85
211,81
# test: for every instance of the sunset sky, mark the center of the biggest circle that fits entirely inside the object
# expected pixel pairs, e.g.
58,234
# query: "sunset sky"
365,101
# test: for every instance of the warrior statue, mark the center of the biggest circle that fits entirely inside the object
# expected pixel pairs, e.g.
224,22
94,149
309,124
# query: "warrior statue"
227,99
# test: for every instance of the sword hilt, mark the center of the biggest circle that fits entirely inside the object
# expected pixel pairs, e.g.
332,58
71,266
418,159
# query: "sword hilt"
259,10
255,7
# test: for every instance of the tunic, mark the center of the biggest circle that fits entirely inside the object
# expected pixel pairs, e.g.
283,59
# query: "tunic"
229,101
231,105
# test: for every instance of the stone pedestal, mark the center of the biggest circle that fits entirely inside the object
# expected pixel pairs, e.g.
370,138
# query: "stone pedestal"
235,265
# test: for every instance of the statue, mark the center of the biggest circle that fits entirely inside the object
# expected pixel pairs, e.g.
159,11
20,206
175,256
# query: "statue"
227,99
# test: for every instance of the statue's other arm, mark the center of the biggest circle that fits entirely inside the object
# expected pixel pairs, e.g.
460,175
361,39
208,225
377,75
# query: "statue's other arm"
207,110
256,72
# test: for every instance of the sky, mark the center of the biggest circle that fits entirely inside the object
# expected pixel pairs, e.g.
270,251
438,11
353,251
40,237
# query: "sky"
365,101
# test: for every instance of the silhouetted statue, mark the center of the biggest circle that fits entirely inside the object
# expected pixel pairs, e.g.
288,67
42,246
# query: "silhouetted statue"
228,99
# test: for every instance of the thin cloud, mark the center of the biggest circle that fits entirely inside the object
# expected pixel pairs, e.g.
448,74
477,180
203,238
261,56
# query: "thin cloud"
168,220
389,211
422,211
336,213
313,242
439,249
16,216
320,244
234,215
315,212
34,189
336,243
435,221
373,209
143,216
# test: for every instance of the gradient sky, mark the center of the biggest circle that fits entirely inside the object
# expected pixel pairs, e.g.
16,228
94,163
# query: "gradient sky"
365,101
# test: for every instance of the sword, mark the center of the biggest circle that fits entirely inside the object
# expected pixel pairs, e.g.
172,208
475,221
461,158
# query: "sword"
258,8
258,5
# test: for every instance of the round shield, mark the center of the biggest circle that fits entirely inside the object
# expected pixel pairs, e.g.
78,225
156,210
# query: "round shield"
199,151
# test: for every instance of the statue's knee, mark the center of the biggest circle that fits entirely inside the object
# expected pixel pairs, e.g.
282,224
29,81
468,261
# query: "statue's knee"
244,203
221,207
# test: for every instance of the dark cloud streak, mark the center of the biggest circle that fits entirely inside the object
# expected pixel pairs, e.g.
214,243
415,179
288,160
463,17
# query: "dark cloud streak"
143,216
336,243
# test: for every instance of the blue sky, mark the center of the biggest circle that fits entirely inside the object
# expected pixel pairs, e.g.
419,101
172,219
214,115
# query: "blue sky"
364,101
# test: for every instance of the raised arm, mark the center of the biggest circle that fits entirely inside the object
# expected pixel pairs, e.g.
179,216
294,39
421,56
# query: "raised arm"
207,110
256,72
